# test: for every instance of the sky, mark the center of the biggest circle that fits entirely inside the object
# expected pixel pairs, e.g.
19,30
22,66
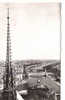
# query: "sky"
34,28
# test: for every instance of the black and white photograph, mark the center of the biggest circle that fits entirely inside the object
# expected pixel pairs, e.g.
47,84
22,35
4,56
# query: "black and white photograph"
30,55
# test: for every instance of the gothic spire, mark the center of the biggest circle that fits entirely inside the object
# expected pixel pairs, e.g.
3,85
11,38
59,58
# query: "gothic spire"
9,92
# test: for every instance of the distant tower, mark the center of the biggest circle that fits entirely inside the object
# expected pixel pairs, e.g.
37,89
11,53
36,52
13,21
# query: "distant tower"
24,79
24,74
9,92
